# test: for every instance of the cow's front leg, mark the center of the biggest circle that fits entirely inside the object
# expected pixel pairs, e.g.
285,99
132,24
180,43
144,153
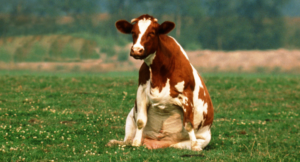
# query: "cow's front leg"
141,115
130,128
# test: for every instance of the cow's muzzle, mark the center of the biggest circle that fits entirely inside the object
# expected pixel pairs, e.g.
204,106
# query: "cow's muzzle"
137,52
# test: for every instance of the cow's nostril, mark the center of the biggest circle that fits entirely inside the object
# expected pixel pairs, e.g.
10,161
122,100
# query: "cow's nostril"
137,50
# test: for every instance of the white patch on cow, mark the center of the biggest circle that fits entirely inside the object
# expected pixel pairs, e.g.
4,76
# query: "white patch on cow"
199,105
143,26
180,86
159,98
141,115
130,127
192,135
196,77
149,59
162,99
182,50
182,101
141,96
198,113
204,133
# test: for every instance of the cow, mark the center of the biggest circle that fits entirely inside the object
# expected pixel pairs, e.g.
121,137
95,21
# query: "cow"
172,107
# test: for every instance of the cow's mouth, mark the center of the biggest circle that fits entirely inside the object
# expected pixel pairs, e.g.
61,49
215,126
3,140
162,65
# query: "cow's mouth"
135,56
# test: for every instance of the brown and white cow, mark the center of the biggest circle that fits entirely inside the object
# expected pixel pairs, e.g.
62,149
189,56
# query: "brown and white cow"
173,107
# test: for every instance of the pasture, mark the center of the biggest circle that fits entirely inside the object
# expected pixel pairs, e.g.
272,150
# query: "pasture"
71,116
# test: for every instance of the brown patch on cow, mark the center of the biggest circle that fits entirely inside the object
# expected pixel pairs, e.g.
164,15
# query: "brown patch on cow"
189,109
144,74
135,106
134,110
174,92
140,124
206,122
201,95
200,125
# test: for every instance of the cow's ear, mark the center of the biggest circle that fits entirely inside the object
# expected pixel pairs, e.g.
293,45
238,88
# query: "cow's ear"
166,27
124,27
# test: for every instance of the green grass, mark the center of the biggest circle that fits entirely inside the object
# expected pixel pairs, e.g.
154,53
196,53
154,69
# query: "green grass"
71,116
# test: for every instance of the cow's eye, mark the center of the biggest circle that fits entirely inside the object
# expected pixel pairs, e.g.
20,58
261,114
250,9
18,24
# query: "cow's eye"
152,34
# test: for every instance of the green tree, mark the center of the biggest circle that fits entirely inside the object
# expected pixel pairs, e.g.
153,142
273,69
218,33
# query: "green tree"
247,24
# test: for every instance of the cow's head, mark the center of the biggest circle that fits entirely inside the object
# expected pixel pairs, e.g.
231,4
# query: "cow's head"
145,31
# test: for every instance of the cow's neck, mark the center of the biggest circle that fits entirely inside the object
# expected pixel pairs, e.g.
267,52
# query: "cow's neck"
162,63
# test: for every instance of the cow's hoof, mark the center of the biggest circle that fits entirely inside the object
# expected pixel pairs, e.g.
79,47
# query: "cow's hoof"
174,146
136,143
196,148
180,146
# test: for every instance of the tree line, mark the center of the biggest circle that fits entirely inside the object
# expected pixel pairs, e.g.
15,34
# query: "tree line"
206,24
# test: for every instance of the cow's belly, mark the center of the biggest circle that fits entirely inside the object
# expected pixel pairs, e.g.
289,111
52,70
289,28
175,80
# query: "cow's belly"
165,124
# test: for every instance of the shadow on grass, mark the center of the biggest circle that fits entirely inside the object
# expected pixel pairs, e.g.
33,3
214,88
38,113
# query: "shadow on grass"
200,154
192,155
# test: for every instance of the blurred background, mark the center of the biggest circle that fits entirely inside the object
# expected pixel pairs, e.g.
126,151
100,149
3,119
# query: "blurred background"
69,35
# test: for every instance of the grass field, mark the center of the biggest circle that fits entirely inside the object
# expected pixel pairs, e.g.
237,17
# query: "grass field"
70,117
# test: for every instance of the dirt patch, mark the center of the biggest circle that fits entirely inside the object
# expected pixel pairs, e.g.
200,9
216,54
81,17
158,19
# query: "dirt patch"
280,60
